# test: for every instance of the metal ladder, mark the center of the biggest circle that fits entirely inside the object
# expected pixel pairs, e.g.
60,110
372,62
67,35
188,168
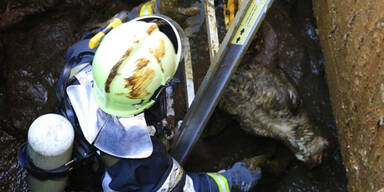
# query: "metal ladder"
224,62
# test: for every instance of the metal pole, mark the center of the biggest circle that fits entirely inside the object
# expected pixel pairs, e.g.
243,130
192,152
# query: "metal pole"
210,20
233,48
188,83
188,74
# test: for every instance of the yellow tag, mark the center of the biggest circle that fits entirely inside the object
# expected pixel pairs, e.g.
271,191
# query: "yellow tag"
146,9
249,19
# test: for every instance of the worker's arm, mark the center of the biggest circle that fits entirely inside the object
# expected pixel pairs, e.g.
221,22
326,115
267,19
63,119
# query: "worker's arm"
160,172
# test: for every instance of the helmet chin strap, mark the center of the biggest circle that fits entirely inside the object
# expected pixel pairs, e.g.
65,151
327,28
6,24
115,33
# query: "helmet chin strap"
170,82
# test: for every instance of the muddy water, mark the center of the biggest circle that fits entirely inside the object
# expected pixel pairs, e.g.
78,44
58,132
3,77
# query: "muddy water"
32,53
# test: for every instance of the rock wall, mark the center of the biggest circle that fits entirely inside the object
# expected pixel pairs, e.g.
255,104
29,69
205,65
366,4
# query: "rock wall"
352,34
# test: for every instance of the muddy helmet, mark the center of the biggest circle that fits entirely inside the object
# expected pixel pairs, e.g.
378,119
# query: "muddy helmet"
133,61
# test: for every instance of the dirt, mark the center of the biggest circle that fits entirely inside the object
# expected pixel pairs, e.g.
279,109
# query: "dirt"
12,176
351,35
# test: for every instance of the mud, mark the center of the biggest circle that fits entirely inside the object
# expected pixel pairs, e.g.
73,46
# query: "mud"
177,9
12,176
352,34
35,35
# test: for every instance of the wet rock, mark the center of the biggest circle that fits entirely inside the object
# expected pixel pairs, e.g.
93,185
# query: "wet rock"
176,10
15,11
2,78
192,24
19,13
12,176
32,70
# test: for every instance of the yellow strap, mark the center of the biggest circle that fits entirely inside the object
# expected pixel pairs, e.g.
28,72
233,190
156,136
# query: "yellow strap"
216,180
146,9
142,9
114,23
225,181
220,181
95,40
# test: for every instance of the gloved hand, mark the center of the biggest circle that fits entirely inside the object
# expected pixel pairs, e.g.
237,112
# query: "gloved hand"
241,178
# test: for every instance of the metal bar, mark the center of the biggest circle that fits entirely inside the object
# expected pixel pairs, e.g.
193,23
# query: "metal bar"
189,89
233,48
189,86
210,20
171,119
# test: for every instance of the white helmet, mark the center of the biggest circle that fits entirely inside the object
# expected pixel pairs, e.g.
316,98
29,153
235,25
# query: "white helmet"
133,61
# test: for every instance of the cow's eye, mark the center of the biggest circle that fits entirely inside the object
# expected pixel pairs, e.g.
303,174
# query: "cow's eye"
294,102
